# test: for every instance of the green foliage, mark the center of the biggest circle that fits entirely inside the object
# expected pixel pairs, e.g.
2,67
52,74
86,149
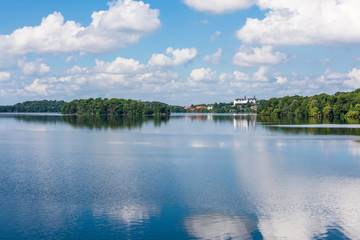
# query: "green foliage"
115,107
339,105
352,114
327,112
315,112
276,113
357,107
177,109
34,106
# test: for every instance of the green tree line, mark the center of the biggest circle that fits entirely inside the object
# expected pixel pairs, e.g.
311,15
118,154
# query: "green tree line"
221,107
34,106
115,106
340,105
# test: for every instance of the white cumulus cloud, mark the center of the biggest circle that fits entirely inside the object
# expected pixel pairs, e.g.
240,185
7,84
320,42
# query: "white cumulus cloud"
281,80
304,22
34,68
124,23
202,74
218,7
77,70
248,57
177,57
240,76
261,74
214,58
37,87
119,65
120,77
4,76
330,77
353,78
348,79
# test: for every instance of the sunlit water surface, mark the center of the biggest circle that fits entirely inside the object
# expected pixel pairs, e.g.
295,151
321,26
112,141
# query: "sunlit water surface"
183,177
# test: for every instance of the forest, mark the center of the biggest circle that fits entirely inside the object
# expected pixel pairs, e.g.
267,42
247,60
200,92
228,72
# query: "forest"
34,106
340,105
116,107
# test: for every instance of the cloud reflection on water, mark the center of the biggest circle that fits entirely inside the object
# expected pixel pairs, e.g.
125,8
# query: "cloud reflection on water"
310,210
131,214
295,194
354,148
298,204
217,226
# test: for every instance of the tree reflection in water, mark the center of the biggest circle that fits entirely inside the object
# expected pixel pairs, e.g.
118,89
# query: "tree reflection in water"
113,122
90,121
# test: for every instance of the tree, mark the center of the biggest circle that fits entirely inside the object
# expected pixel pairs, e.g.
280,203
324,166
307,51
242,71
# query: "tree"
327,112
315,112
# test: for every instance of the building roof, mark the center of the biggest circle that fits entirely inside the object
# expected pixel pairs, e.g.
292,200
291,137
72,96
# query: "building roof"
245,98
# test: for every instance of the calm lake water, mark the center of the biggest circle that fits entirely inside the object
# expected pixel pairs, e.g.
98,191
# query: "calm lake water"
183,177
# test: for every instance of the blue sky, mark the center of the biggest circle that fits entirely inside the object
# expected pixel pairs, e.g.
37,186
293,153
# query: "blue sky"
177,51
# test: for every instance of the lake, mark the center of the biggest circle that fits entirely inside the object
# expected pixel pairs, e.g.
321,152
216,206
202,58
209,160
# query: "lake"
179,177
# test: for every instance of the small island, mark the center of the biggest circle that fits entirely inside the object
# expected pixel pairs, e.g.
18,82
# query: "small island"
114,106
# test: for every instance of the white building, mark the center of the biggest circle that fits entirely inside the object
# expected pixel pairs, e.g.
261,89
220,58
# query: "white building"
244,100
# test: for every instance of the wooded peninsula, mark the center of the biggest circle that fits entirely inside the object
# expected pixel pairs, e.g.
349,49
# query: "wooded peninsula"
35,106
340,105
